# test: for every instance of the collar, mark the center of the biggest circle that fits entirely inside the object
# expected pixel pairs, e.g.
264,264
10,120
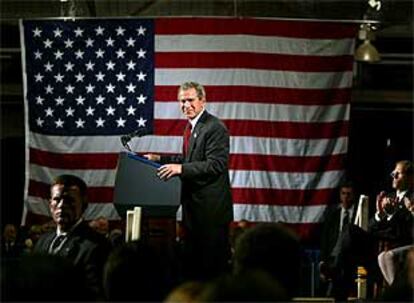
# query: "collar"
400,194
350,210
195,120
64,233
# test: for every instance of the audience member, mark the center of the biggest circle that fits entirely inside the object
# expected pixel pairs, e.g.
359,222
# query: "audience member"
10,246
73,238
272,248
188,292
100,225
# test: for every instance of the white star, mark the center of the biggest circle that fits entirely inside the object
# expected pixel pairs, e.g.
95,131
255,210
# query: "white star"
69,66
131,110
89,42
59,123
48,43
100,122
120,77
48,66
90,88
38,54
39,77
141,53
120,53
110,88
120,122
69,89
49,89
99,30
120,99
131,65
59,100
49,112
78,32
141,76
80,100
99,53
89,65
120,31
110,42
131,88
100,99
58,54
141,30
130,42
57,32
68,43
79,54
39,122
69,112
37,32
110,65
59,77
141,122
79,77
100,76
89,111
80,123
141,99
110,111
39,100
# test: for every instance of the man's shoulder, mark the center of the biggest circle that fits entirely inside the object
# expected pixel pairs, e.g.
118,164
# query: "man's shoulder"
210,119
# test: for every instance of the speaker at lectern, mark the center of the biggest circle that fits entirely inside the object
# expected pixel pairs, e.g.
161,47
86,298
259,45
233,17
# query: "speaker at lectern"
137,184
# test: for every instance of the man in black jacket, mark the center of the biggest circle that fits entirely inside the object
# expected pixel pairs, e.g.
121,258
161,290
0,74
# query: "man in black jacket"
205,196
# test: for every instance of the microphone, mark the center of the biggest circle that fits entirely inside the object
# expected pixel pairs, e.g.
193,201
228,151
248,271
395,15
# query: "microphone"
138,133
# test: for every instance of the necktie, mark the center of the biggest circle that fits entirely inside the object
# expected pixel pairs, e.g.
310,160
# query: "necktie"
56,244
186,139
345,220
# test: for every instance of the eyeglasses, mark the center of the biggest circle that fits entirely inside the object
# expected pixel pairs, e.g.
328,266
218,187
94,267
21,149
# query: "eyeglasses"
395,174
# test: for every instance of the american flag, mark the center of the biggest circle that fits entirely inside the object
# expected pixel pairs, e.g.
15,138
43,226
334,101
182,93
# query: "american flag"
282,87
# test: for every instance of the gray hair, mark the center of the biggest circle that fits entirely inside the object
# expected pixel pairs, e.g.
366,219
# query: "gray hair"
201,93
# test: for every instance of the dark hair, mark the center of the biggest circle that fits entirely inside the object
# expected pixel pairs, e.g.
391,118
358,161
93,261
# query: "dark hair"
71,180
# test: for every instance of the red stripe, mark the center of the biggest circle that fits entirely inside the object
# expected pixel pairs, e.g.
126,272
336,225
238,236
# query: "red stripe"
267,196
264,95
258,27
254,61
286,163
293,130
95,194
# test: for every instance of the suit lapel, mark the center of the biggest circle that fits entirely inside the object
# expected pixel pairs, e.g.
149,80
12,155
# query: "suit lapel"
195,134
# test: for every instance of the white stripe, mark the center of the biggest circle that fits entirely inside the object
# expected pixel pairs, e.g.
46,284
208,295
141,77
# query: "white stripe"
92,177
255,44
173,144
254,77
261,112
271,213
41,207
283,180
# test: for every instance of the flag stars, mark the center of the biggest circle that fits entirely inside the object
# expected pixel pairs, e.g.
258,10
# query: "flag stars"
141,76
141,53
39,100
79,77
57,32
59,123
90,88
89,65
110,88
59,100
68,43
69,112
59,77
131,110
120,31
120,122
69,89
141,99
58,55
120,99
79,54
89,42
130,42
141,122
120,76
48,43
48,66
110,111
110,65
141,31
99,30
100,122
49,89
80,100
39,77
78,32
131,65
99,53
100,100
110,42
120,53
131,88
69,66
38,55
80,123
100,77
49,112
90,111
39,122
37,32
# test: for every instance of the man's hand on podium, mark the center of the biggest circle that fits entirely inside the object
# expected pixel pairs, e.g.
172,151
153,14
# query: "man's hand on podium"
167,171
152,157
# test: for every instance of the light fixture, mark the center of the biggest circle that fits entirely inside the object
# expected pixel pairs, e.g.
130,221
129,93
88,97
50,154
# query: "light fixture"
366,51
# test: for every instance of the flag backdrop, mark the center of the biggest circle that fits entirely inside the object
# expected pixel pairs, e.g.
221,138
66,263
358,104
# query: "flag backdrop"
282,88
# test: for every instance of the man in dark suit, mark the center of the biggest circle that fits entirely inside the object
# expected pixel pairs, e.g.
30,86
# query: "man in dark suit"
73,238
205,196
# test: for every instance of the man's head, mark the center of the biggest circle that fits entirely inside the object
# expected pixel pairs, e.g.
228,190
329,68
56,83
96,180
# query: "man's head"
402,175
9,233
192,98
346,194
67,200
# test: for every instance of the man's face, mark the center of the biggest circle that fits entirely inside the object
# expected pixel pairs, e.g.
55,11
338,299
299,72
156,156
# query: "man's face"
399,178
65,205
191,105
346,195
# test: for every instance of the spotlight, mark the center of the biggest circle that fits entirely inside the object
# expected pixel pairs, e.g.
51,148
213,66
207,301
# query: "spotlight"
366,51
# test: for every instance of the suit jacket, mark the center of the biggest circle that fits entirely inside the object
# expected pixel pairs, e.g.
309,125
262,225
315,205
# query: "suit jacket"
205,196
87,250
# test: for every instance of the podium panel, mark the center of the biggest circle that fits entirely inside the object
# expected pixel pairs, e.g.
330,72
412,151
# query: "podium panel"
137,184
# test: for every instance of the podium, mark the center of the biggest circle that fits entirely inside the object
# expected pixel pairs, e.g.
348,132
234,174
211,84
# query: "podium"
137,184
